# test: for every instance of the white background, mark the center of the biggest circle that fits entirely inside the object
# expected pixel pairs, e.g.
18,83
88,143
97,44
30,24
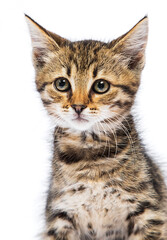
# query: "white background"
25,150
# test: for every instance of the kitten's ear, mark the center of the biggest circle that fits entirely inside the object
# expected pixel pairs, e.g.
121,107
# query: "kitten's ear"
132,45
44,43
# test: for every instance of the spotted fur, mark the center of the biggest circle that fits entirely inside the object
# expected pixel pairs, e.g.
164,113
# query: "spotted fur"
103,184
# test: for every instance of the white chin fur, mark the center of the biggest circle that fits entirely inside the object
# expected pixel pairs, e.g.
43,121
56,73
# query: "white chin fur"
81,126
76,125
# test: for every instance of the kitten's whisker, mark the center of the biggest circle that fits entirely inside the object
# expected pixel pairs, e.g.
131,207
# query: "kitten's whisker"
122,116
125,130
106,142
116,141
115,138
123,127
132,143
99,135
107,171
120,123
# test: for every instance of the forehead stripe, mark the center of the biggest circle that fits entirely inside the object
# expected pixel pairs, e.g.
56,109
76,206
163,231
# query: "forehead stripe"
69,71
95,72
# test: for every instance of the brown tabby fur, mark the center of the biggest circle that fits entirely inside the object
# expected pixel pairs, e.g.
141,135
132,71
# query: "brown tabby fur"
103,185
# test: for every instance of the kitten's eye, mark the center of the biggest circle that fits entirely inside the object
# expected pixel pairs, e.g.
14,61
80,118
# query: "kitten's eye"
62,84
101,86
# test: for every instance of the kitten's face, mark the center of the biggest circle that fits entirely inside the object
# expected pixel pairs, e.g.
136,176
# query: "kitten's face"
88,84
83,86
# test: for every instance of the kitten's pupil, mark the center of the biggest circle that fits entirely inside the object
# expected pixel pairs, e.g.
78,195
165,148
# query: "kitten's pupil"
62,83
101,85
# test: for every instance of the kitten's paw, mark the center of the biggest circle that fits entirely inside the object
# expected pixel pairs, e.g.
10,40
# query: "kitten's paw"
63,234
61,226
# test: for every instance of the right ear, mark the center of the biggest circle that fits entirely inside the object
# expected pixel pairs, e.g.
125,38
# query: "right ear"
44,43
131,46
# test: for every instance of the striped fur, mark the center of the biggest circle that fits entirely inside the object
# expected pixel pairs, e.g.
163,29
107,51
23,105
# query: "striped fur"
103,184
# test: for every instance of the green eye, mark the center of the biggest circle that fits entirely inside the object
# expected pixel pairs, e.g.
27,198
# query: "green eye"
62,84
101,86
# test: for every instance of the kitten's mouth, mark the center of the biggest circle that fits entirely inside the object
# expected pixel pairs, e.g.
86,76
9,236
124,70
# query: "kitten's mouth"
80,119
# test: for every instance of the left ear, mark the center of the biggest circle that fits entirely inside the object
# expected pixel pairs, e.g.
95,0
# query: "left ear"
132,45
44,43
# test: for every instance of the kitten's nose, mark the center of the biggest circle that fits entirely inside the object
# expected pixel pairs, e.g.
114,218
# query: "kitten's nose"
78,108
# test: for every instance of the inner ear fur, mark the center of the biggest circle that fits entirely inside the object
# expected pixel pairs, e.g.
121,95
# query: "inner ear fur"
44,42
132,44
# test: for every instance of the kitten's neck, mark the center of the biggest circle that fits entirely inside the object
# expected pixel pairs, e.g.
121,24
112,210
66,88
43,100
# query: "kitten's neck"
73,146
89,156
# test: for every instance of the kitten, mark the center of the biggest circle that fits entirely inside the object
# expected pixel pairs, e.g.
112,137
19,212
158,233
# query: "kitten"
103,185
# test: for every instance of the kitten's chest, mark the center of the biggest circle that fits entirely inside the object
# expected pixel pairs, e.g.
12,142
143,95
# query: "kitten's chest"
98,210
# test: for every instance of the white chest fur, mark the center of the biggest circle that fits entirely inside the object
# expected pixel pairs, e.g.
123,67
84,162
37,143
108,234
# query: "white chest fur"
96,208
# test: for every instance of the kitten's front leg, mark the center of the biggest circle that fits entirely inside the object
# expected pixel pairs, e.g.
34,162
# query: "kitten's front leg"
61,228
153,229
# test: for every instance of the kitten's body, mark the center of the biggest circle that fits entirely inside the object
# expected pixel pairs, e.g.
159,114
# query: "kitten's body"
103,185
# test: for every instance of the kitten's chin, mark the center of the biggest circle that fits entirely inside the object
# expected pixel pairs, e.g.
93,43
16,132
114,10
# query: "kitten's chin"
80,124
77,124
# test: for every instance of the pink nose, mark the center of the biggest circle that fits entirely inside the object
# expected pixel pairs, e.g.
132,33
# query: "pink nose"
78,108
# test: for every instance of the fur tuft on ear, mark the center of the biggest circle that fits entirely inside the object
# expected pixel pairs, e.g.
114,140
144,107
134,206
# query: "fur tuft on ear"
44,43
132,44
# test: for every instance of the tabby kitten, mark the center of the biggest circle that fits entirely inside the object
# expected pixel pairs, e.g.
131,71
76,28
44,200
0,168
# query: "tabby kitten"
103,185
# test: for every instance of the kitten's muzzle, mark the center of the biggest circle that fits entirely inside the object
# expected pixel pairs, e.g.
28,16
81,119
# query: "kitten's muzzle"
78,108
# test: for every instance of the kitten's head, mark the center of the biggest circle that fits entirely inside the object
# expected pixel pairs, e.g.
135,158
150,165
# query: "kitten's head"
87,84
